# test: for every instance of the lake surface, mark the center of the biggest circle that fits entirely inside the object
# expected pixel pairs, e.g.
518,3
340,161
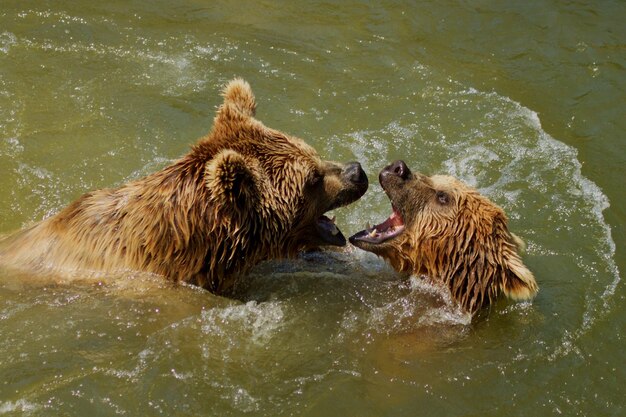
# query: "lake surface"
524,100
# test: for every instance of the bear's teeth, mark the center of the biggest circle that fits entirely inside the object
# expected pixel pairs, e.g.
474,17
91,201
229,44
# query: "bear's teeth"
368,225
373,233
334,230
332,219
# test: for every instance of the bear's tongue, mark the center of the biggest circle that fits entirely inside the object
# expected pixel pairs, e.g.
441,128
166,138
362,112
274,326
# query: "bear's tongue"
329,232
392,227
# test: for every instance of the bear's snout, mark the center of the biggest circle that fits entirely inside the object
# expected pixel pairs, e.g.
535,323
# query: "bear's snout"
354,184
353,172
395,169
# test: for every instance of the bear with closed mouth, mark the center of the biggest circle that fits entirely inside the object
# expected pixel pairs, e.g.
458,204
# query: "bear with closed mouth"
444,230
244,193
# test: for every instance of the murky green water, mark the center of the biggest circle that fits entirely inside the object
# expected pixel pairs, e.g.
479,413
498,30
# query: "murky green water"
524,100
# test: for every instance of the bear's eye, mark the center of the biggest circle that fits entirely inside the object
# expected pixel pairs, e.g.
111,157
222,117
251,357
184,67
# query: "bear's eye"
316,178
443,198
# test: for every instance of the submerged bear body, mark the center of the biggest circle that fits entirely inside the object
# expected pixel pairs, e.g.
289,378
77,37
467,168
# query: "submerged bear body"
243,194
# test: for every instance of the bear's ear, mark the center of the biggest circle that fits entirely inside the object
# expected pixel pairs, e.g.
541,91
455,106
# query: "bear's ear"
519,283
238,100
232,180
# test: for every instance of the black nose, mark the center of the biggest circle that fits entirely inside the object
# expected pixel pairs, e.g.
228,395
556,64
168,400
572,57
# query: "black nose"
354,173
397,168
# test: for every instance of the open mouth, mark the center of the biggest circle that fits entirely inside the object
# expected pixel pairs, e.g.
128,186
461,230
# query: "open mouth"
390,228
329,232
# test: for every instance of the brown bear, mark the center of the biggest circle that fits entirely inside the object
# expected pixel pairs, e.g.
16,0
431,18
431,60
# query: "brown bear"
244,193
445,230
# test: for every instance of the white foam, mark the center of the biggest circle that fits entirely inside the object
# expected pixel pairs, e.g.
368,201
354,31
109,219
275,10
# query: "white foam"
21,405
425,305
260,321
243,401
14,147
7,40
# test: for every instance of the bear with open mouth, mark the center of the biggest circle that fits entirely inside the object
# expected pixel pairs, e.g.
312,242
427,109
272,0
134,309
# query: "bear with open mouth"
445,230
244,193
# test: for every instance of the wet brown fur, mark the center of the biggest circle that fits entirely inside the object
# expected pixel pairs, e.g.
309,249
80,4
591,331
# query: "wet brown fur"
464,243
244,193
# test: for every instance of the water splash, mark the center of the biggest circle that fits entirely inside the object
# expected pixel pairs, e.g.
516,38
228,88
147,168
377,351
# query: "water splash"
258,322
7,40
499,146
21,406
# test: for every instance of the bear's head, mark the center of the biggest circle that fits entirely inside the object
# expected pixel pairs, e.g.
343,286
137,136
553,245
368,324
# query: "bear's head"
444,229
267,191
